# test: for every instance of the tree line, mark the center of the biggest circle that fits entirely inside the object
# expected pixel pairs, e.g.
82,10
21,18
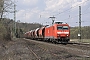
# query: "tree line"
85,32
21,28
7,27
5,7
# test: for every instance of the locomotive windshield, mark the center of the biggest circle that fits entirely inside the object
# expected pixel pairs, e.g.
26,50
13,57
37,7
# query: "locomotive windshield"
62,27
65,27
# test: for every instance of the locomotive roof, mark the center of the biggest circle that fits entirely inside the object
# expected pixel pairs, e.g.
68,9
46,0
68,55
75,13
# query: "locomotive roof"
58,22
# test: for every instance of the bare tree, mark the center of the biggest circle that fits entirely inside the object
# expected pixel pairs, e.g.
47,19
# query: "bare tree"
1,8
5,7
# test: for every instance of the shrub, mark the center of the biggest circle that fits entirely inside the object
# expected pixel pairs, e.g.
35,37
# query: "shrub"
4,32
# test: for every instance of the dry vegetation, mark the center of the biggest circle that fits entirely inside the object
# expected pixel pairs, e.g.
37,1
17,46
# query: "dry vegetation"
20,49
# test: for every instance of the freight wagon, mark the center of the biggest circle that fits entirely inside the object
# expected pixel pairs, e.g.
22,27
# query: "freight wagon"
58,32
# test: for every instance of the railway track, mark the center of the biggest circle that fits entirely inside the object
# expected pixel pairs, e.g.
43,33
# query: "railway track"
74,43
85,46
44,50
82,46
82,49
36,56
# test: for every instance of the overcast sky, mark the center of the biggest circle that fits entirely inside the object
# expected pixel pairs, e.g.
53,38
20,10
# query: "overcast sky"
67,11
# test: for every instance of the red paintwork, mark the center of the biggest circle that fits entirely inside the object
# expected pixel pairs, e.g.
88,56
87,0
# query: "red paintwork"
51,31
41,32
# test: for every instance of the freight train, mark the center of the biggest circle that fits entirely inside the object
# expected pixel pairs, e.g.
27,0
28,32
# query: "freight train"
58,32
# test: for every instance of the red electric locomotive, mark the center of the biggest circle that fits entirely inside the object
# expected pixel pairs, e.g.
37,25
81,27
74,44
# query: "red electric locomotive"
58,32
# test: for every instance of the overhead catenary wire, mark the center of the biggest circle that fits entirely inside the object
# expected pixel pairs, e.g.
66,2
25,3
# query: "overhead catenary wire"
76,15
64,11
70,8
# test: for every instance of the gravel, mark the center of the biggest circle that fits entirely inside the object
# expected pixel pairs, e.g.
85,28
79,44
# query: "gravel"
22,49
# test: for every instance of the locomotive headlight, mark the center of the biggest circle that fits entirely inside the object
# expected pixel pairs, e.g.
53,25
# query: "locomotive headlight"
67,35
58,35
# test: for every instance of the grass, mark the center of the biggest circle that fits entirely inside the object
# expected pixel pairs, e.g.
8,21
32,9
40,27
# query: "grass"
86,40
82,40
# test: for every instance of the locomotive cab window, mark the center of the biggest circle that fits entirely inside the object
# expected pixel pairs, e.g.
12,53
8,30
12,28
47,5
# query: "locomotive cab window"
65,27
62,27
59,27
